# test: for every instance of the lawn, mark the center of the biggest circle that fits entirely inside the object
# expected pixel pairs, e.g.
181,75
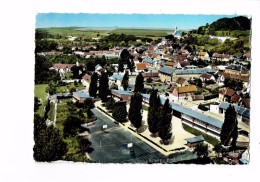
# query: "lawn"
64,89
39,91
196,132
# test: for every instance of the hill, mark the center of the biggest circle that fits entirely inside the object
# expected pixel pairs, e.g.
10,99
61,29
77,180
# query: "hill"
234,27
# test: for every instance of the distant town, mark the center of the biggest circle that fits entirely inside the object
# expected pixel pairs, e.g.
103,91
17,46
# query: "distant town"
143,95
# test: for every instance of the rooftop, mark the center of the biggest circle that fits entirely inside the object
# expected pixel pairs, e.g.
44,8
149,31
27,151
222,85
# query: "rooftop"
195,139
239,109
167,70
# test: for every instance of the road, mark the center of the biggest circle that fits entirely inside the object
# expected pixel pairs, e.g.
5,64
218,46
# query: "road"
111,146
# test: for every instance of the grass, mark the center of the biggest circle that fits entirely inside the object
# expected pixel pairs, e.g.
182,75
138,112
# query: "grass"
64,89
145,107
51,112
39,91
196,132
142,32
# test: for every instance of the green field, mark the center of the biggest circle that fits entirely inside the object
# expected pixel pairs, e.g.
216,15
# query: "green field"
142,32
39,91
87,33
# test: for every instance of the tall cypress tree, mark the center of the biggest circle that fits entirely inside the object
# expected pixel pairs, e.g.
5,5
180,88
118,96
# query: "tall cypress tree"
139,83
152,119
229,127
120,66
93,85
103,87
165,124
125,80
135,113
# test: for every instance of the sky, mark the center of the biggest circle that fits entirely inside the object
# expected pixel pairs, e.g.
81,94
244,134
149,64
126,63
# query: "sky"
44,20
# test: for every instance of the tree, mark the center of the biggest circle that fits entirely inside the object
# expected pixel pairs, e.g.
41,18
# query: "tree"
134,114
84,144
88,103
201,150
110,104
119,111
120,66
165,123
72,126
152,119
51,88
103,87
90,65
93,85
37,103
125,80
139,83
229,127
49,145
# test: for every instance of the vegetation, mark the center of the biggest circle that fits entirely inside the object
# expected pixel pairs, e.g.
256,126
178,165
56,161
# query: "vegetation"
103,87
229,127
93,88
49,145
165,123
153,112
201,150
139,83
134,114
125,80
119,111
196,132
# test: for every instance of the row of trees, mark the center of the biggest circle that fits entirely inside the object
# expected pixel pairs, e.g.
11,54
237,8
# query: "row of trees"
159,117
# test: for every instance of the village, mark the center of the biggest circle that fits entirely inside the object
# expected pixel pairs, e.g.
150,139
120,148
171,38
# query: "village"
199,87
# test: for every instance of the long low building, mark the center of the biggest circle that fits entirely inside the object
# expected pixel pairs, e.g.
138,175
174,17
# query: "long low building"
192,118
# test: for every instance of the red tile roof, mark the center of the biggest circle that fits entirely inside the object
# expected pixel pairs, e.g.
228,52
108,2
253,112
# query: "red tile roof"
235,98
187,89
62,66
180,80
140,66
206,75
229,92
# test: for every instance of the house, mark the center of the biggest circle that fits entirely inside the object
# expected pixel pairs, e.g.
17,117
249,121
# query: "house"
153,75
222,57
181,82
226,94
166,73
86,79
169,64
64,67
140,67
192,142
204,56
234,69
122,95
184,93
115,78
206,77
149,62
190,73
80,96
243,114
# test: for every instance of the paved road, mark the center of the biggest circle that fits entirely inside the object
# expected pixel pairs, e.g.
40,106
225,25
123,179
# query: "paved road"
111,146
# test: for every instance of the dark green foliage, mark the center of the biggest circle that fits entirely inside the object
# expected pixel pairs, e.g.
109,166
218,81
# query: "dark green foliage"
45,45
90,65
125,80
73,89
152,119
139,83
165,124
135,115
119,111
103,87
72,126
42,72
110,104
88,103
201,150
49,145
120,66
36,104
93,85
229,127
84,144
